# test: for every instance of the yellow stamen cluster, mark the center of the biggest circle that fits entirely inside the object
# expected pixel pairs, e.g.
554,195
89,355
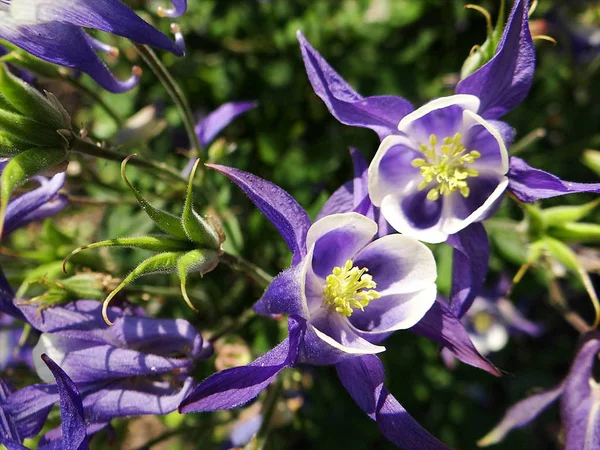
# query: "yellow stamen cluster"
349,287
482,322
446,166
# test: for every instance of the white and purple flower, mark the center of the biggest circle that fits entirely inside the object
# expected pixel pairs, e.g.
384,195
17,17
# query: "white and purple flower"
346,291
443,168
54,32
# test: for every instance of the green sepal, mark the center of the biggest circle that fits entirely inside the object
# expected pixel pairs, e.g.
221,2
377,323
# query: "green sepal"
22,167
30,131
195,260
482,54
161,263
6,105
29,101
169,223
89,286
50,270
591,158
576,232
561,215
155,243
196,228
10,145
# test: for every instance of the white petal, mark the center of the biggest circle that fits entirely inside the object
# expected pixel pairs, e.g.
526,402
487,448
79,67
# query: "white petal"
465,101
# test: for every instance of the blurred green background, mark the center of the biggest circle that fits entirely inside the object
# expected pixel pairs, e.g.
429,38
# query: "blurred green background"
247,50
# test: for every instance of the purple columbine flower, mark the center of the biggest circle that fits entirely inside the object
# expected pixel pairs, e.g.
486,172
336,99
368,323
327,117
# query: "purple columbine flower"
344,293
443,168
72,434
579,395
139,366
37,204
54,32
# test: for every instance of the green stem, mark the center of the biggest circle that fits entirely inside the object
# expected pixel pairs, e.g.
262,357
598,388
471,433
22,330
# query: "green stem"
88,148
174,91
262,278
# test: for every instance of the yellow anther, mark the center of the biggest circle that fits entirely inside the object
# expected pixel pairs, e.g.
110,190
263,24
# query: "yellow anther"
349,287
446,164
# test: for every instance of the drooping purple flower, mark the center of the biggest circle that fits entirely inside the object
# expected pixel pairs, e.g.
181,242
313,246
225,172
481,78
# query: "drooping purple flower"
444,167
344,293
579,395
139,366
54,32
72,436
37,204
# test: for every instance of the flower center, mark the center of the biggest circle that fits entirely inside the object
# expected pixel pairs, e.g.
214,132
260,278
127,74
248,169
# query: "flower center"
446,165
349,287
482,322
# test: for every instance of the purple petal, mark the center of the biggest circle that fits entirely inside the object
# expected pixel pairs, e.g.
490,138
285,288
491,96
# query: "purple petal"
469,266
580,402
440,325
111,16
331,338
363,378
7,296
234,387
529,184
211,125
123,398
36,204
71,409
29,407
381,114
87,361
521,414
9,432
284,295
505,80
278,206
348,197
338,238
66,45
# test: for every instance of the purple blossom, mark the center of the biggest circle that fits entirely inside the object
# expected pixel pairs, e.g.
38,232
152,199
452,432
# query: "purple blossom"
54,32
579,395
139,366
443,168
345,292
72,434
37,204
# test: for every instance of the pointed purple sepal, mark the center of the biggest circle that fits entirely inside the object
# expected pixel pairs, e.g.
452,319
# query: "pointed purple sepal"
529,184
441,325
73,425
278,206
208,128
234,387
284,294
381,114
363,378
469,266
505,80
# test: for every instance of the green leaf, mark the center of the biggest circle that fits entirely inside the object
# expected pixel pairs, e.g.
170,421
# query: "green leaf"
167,222
29,101
561,215
22,167
576,232
196,260
161,263
196,228
155,243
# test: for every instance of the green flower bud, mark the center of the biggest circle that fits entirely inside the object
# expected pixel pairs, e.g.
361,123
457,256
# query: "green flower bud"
576,232
561,215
